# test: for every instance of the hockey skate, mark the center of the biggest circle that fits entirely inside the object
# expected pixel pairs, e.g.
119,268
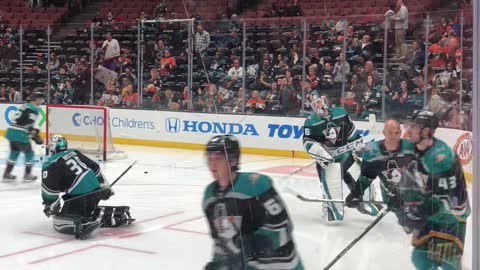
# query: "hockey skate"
29,178
8,177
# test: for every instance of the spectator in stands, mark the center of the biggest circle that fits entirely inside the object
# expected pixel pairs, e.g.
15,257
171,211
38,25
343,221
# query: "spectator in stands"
273,96
167,63
130,99
350,104
111,49
69,96
255,104
235,74
54,62
447,75
369,69
109,20
159,49
218,66
81,83
127,75
312,77
199,100
124,62
110,98
3,94
212,100
40,62
365,48
327,78
289,99
294,56
416,58
267,68
264,82
97,20
438,55
170,101
401,26
341,69
202,40
14,96
341,24
354,86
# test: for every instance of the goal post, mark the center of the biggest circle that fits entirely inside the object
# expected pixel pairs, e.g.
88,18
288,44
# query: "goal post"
87,128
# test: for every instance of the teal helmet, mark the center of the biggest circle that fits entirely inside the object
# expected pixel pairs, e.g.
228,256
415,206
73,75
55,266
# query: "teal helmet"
57,144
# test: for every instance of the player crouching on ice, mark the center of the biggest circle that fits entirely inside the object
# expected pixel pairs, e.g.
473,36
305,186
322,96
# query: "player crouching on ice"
71,176
329,136
248,220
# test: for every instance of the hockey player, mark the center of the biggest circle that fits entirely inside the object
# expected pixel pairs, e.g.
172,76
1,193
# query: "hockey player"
19,134
439,175
326,130
248,220
383,159
71,176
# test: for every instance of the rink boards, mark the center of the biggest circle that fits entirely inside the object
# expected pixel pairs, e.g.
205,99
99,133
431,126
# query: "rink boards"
264,135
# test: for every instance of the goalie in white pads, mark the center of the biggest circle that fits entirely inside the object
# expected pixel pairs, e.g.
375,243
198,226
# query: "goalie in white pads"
329,135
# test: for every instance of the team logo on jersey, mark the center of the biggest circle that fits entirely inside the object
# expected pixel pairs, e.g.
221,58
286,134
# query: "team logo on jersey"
332,132
393,173
464,148
227,227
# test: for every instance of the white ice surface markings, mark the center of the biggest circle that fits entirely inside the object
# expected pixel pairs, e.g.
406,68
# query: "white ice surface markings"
170,232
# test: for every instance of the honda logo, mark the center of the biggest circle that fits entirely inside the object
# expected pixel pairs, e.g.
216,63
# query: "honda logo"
172,125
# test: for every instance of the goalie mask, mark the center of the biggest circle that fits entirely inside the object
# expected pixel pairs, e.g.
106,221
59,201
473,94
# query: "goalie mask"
57,144
320,106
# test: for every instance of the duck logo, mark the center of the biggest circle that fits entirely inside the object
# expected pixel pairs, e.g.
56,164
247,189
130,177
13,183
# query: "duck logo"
331,133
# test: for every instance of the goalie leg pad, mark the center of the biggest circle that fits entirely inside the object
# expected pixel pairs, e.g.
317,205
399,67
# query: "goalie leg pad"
331,185
81,227
115,216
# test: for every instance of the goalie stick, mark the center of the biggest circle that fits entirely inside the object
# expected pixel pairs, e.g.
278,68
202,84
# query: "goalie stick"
356,240
99,190
305,199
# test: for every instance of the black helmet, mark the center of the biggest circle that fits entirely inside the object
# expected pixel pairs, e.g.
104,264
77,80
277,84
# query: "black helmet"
37,94
224,144
423,118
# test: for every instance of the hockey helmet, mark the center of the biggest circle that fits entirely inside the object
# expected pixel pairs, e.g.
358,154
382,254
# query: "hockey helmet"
320,106
423,118
57,144
224,144
37,95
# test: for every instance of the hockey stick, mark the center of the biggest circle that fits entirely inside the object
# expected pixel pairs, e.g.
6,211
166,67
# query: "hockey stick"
355,241
305,199
99,190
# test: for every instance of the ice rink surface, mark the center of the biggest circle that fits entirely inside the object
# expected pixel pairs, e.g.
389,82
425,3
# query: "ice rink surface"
164,190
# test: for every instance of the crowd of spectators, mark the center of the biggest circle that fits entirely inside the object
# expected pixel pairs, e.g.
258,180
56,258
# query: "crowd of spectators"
344,62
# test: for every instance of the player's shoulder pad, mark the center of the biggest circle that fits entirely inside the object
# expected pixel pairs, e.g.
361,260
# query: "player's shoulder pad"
406,147
32,108
252,184
440,157
338,112
371,150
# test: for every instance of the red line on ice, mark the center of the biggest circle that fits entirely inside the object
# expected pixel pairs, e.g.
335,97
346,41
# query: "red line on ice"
34,248
172,226
46,235
159,217
90,247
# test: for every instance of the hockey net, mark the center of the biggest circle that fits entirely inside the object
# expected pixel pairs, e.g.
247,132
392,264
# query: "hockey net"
87,128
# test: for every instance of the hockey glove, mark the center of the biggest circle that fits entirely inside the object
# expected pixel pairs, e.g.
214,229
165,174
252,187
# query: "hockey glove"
35,135
107,191
353,200
52,209
410,216
323,162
